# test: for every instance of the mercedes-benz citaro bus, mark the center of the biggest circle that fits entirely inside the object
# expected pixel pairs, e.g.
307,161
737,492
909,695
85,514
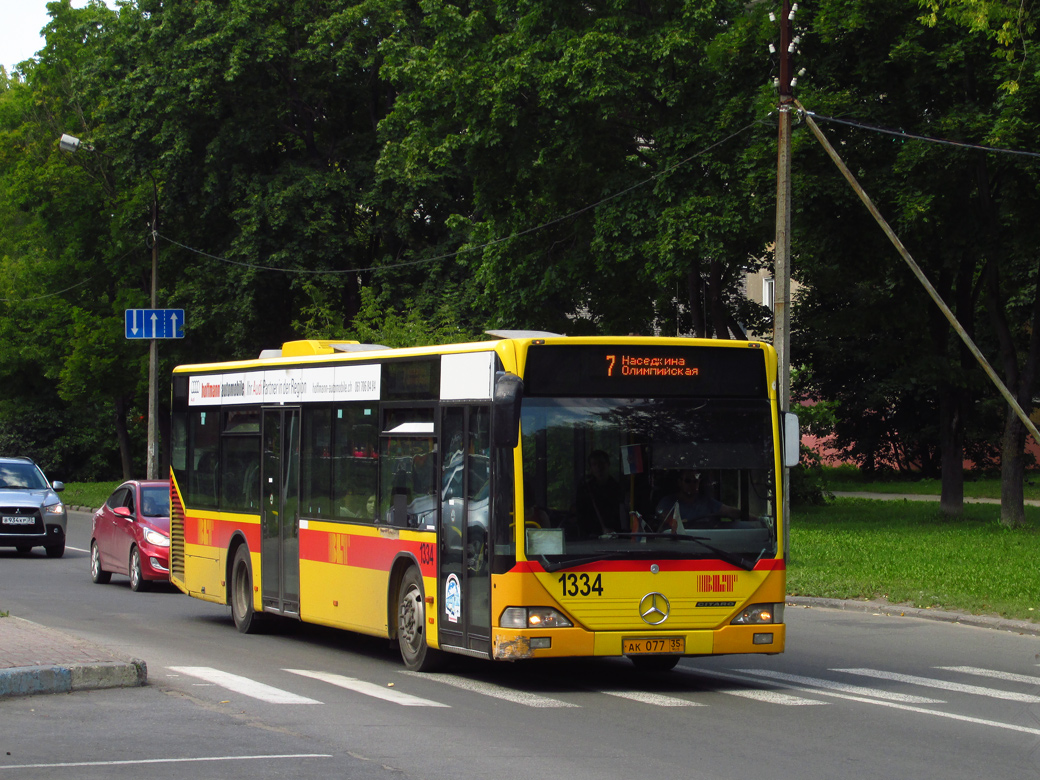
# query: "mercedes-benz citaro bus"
531,496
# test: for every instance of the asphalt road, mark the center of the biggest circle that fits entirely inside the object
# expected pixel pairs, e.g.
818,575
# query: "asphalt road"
856,695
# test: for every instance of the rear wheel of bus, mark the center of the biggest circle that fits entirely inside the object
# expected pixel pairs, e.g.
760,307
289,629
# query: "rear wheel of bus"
247,621
418,656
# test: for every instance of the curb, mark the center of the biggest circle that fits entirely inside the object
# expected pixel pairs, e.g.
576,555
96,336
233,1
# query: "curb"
32,680
897,610
35,659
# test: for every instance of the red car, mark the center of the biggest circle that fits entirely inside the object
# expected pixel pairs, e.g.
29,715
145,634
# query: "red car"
130,534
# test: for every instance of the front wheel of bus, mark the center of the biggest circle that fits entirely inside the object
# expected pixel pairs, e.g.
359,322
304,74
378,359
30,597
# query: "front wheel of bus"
246,620
411,626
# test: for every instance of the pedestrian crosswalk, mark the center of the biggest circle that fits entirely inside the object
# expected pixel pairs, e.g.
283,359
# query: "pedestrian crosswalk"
687,686
243,685
368,689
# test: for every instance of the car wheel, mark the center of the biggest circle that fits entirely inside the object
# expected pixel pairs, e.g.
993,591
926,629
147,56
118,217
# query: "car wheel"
23,549
97,574
411,626
137,580
55,550
247,620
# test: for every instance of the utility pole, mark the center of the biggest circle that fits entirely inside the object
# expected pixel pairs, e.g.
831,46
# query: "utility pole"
782,247
152,460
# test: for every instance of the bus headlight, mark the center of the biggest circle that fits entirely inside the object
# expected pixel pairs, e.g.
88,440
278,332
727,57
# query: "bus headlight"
533,617
758,614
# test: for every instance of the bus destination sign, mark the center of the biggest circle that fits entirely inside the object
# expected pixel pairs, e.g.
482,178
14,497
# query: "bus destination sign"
627,364
592,370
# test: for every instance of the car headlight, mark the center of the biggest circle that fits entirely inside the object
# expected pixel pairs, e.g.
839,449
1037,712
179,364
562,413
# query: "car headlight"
55,509
758,614
533,617
156,538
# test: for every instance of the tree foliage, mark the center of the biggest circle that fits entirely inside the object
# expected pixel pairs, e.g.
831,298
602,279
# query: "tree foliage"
910,392
415,171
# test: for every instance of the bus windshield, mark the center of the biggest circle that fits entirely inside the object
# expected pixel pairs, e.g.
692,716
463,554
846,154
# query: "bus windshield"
648,477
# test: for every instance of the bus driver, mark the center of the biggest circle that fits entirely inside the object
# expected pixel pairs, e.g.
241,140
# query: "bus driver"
691,504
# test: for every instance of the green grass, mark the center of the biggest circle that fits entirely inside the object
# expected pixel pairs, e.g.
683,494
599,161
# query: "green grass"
908,553
91,494
849,478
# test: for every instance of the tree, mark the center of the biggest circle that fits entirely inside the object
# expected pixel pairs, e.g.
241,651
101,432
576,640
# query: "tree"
953,208
62,273
574,150
1011,276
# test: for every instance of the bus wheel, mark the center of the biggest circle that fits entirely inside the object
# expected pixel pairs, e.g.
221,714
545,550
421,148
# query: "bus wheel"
655,663
411,626
246,620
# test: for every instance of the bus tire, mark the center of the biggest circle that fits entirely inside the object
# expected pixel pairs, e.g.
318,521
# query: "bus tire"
655,663
247,621
417,655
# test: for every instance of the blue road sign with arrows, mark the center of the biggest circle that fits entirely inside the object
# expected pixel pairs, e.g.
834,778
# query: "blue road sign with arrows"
154,323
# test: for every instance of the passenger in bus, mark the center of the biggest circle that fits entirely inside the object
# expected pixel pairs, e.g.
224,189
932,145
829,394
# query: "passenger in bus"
601,506
691,503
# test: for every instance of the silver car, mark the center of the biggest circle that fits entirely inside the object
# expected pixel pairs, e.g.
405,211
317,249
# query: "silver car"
31,514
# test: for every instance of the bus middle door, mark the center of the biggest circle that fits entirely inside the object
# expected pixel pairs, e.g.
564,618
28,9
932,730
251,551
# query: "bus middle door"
280,506
464,579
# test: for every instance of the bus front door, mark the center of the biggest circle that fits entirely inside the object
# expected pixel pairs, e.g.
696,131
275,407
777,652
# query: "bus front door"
464,578
280,519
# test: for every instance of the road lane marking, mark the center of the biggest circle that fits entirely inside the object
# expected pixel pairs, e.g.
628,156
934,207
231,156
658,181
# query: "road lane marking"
855,690
243,685
133,762
494,691
653,699
768,696
367,688
922,711
928,682
1009,676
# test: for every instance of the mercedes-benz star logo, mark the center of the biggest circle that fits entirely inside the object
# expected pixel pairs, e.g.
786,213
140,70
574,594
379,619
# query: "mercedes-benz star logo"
653,608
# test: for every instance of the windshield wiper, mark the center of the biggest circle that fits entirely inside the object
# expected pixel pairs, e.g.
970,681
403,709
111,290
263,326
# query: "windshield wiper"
737,560
550,566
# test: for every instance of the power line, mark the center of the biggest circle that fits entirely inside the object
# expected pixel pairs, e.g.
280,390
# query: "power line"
62,292
449,255
912,136
48,295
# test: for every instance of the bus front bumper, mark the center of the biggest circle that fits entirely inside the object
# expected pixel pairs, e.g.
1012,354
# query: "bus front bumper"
516,645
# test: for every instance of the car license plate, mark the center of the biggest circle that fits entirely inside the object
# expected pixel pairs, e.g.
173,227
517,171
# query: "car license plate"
15,520
642,645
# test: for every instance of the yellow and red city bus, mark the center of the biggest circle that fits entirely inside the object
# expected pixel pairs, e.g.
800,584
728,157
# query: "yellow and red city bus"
509,499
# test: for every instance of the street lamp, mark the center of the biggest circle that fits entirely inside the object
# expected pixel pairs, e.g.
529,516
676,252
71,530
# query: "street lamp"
69,143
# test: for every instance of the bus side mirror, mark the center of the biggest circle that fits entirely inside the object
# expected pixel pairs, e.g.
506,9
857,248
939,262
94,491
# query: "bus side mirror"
509,392
792,440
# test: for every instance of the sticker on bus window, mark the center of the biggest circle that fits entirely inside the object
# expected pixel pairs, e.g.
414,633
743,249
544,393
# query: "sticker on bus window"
452,598
632,459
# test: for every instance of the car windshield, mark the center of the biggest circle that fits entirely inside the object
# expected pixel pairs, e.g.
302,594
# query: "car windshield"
697,473
22,476
155,501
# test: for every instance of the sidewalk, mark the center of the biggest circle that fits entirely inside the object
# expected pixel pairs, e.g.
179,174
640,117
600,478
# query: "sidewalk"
915,497
36,659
